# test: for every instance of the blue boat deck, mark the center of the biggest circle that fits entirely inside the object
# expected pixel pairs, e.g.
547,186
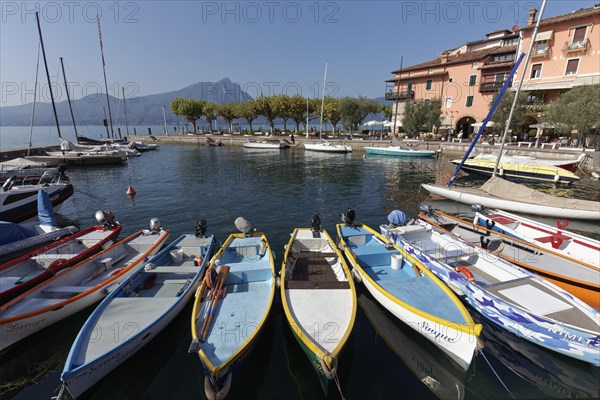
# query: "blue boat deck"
240,313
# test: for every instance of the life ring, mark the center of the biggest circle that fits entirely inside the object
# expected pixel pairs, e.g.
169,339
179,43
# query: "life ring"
466,272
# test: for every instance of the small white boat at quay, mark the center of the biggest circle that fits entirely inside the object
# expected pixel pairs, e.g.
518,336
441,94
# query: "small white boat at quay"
399,151
266,144
78,287
149,299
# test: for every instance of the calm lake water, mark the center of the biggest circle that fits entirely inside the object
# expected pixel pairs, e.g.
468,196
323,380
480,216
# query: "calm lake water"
276,192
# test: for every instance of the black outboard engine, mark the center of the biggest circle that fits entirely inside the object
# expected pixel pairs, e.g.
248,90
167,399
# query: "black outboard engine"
200,228
425,209
315,223
349,216
106,219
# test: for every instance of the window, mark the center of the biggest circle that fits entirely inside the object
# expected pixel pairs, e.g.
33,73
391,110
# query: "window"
469,101
504,57
428,84
499,77
472,80
510,42
572,67
409,87
579,35
475,65
448,102
430,71
410,73
536,71
541,47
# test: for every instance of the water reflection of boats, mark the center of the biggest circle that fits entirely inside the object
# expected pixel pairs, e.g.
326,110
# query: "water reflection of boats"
554,375
437,373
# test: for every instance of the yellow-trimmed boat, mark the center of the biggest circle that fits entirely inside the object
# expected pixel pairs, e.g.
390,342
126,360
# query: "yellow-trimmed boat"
319,298
232,306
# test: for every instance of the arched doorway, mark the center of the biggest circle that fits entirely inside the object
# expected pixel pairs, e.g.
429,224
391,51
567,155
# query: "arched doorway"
464,124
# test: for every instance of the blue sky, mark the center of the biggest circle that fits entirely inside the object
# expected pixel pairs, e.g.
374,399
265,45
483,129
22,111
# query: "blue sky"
269,46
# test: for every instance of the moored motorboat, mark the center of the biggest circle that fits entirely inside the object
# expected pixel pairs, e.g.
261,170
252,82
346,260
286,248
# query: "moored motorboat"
406,288
237,293
154,294
557,239
27,271
399,151
506,295
266,144
324,146
318,297
576,277
78,287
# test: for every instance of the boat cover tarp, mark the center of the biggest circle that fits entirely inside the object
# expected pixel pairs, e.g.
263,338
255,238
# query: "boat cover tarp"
502,188
20,163
11,232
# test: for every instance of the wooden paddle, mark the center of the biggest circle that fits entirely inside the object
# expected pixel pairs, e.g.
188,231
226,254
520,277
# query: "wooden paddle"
213,300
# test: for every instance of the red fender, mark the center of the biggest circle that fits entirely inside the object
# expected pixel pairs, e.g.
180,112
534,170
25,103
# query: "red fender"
466,272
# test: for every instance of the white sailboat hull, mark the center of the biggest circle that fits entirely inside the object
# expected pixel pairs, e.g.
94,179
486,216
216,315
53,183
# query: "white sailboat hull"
328,147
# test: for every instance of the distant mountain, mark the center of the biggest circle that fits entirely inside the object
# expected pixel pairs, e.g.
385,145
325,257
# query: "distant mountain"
140,110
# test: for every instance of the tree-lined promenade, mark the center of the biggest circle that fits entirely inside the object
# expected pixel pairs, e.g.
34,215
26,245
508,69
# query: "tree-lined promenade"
348,112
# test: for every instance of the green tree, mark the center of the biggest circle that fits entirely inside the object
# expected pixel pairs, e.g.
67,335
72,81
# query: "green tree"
247,110
386,110
354,110
501,113
576,109
332,111
210,113
264,107
297,110
190,109
422,115
229,112
281,107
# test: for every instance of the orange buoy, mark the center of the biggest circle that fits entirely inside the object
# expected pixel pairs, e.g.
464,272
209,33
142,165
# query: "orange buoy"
130,191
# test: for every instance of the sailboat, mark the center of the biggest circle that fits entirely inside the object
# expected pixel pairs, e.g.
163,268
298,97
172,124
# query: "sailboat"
505,195
323,145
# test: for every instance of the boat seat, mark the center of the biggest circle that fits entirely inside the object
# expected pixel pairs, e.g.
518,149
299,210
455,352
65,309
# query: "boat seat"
248,275
317,285
174,281
174,270
52,256
65,289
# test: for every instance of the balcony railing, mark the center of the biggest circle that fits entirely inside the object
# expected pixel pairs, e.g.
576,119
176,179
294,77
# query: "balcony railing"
403,95
576,46
491,86
541,52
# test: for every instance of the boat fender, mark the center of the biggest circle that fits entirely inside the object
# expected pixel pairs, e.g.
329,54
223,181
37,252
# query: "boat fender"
484,242
215,394
501,171
198,261
57,264
277,281
556,178
562,223
466,272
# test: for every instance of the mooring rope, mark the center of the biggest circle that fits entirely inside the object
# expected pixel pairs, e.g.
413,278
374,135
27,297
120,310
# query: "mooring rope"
497,376
337,383
91,195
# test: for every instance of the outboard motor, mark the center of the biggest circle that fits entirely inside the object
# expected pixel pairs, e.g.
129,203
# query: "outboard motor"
425,209
9,183
315,223
106,219
243,225
477,208
397,218
348,217
200,228
155,226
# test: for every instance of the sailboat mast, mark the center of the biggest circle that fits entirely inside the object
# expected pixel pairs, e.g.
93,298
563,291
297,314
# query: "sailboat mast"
62,65
37,18
112,132
37,69
323,102
125,108
518,91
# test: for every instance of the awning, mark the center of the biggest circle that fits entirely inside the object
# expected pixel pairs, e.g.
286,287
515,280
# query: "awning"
543,36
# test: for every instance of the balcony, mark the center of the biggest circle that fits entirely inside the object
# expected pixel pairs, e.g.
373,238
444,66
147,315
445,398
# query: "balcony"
491,86
572,47
536,108
541,52
403,95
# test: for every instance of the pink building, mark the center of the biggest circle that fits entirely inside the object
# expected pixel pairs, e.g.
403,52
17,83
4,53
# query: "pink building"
566,54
